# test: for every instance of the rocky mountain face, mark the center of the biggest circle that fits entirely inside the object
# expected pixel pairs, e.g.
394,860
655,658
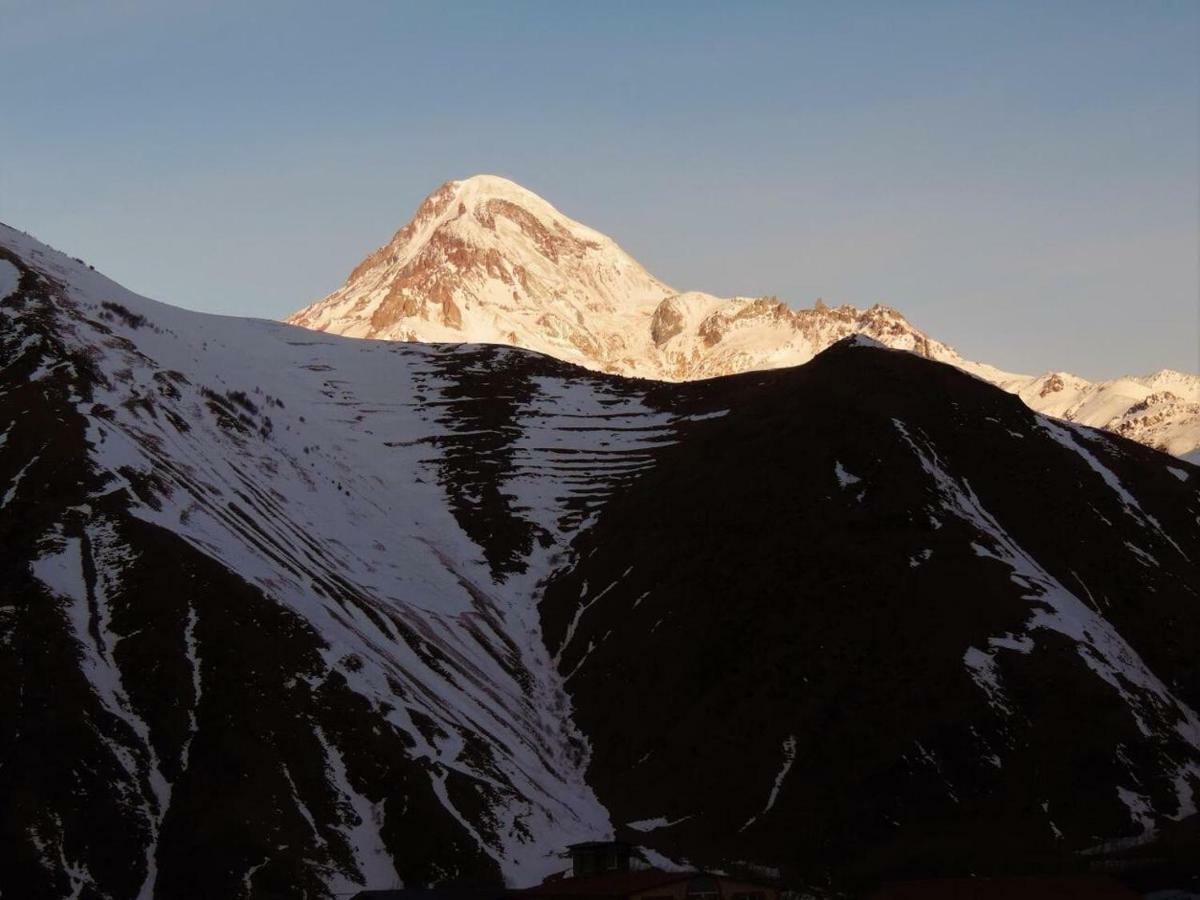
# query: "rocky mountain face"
287,614
486,261
1160,410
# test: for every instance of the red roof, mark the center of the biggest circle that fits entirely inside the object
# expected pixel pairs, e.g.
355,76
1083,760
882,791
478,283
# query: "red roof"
1066,888
616,884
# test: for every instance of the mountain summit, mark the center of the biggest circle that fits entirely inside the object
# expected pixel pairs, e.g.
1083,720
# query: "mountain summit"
486,261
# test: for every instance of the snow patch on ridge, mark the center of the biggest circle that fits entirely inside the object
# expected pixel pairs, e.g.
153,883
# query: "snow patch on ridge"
845,479
10,278
863,340
982,666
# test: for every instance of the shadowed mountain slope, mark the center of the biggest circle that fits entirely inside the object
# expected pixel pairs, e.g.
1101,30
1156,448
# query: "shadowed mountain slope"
882,618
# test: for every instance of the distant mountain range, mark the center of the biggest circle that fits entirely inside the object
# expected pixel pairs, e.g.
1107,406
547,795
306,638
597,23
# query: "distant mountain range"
289,614
487,261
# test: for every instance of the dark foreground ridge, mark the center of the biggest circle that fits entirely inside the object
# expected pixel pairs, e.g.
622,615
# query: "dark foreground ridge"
291,615
882,619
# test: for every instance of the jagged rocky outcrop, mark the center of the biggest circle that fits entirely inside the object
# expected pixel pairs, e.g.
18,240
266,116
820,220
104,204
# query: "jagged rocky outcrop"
284,613
1160,410
487,261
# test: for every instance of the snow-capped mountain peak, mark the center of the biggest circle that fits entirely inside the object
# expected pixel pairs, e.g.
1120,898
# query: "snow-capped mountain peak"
485,260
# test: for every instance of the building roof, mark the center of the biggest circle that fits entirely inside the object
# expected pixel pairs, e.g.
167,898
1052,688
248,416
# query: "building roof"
615,884
1065,888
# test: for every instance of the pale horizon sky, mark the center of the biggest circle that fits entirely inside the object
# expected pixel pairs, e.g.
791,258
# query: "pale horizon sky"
1019,179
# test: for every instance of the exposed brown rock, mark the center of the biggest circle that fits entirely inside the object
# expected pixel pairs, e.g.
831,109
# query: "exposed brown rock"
667,321
451,315
431,208
717,325
1053,385
551,244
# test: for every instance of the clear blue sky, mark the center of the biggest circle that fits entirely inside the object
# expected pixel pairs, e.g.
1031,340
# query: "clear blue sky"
1020,179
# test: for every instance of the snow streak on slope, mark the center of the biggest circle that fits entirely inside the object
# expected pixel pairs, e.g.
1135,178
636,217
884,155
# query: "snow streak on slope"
80,574
1171,723
789,757
363,487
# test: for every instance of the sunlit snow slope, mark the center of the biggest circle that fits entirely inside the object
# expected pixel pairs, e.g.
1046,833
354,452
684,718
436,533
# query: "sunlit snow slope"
486,260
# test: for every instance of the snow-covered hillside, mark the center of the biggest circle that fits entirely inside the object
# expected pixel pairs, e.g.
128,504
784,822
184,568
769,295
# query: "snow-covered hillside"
401,503
487,261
